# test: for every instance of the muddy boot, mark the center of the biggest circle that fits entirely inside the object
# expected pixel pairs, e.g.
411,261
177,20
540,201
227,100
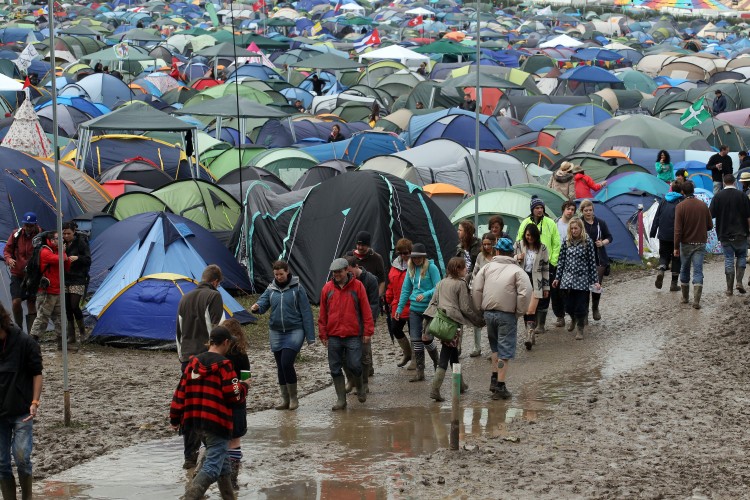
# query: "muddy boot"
464,384
697,292
437,382
72,345
26,483
293,402
30,318
477,343
579,329
730,285
740,271
434,356
541,320
419,375
572,324
81,330
595,299
560,321
405,345
235,464
366,378
198,486
8,488
413,363
349,380
359,382
530,326
501,392
340,385
659,278
284,405
674,286
225,487
685,288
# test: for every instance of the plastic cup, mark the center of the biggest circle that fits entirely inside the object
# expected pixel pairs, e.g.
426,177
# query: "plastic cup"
245,374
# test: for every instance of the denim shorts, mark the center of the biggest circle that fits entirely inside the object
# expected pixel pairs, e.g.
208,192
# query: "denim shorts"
502,329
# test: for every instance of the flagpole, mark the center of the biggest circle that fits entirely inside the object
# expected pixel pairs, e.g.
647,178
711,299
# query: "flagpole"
477,109
58,206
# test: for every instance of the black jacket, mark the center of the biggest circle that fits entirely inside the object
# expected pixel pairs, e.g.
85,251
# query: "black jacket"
598,230
79,270
663,223
20,362
370,282
372,262
726,167
731,209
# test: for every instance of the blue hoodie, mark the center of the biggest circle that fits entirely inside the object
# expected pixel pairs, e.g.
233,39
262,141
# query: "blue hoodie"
290,308
416,284
664,218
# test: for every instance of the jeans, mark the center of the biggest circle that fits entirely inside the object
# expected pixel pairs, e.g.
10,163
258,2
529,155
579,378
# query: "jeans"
345,350
16,436
217,459
734,249
692,255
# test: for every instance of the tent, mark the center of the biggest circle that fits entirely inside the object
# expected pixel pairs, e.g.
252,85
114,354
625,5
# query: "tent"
322,172
633,182
94,223
310,228
445,196
460,128
512,205
202,202
26,134
622,248
395,53
139,170
360,148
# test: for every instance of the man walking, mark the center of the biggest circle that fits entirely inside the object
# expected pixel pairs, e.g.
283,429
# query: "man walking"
731,209
720,165
18,250
370,283
502,290
369,259
20,391
203,403
692,222
199,311
344,324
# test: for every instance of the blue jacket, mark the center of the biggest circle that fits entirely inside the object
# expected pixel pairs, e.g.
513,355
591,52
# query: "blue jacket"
290,308
416,284
663,223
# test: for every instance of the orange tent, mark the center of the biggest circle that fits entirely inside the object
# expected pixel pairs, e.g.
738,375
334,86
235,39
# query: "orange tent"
441,188
613,153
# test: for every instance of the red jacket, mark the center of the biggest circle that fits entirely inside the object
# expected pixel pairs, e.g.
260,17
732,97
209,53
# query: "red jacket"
48,261
19,248
207,392
393,290
345,312
585,185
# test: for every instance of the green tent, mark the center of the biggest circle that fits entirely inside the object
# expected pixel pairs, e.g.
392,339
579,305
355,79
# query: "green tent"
327,61
129,204
226,49
288,164
223,159
444,46
512,205
202,202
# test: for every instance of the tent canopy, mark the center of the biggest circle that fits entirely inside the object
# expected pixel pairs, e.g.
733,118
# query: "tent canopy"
137,116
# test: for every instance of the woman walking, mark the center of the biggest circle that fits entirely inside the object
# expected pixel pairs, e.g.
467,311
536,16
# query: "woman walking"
663,226
663,166
576,273
563,181
533,257
419,284
396,276
76,279
237,354
488,251
598,232
291,322
452,297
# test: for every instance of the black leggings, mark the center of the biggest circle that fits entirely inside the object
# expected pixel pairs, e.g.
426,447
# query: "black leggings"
285,366
596,297
397,327
448,354
667,258
73,306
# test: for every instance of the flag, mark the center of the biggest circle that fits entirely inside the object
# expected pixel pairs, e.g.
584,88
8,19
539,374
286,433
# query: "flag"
257,6
27,83
338,6
371,39
416,21
24,60
317,28
695,114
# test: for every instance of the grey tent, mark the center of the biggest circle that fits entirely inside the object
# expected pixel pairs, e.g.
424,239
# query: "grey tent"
327,61
226,49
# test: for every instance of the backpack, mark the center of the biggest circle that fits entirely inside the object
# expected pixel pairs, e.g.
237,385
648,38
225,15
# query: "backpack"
34,278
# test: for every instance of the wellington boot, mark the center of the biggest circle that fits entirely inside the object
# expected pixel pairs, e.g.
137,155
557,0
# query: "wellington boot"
572,324
697,292
437,382
659,279
560,321
419,375
71,333
284,405
493,382
26,483
740,272
530,326
405,345
464,385
477,343
225,487
30,318
198,486
293,402
685,287
579,329
366,378
360,384
8,488
675,286
541,320
235,464
434,356
81,330
413,363
349,380
730,284
340,385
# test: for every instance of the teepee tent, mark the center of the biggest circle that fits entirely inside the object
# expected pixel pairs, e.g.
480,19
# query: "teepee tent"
26,133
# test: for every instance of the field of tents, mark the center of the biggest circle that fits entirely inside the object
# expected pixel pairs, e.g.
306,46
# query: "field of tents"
192,133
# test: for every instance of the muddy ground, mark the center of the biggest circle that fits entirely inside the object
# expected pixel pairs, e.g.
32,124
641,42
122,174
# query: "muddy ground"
674,428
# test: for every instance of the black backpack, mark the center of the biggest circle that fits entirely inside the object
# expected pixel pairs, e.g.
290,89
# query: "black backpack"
33,278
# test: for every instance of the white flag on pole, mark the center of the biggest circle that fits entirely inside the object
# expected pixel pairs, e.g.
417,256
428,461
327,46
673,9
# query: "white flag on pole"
24,60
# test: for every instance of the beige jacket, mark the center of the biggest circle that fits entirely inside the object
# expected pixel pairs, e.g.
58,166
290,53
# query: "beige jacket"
502,285
453,297
540,279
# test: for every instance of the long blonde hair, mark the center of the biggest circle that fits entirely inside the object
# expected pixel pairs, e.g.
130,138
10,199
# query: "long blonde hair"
578,222
411,268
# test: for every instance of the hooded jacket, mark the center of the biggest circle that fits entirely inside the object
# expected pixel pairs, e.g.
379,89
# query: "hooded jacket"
20,362
452,296
663,224
396,276
207,392
290,308
585,186
49,263
502,285
345,311
19,247
564,183
414,285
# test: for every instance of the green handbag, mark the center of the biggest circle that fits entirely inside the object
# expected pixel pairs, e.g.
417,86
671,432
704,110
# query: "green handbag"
442,327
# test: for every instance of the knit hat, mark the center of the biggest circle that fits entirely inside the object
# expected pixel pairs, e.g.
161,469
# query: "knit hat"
536,202
363,238
504,245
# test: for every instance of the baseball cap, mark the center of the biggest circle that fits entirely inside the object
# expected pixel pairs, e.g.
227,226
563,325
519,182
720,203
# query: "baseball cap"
29,218
339,264
219,335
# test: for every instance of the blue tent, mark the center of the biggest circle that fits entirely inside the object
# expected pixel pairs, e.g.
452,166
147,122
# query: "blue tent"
360,148
116,241
460,128
590,74
632,183
698,173
566,116
622,248
418,123
146,310
625,205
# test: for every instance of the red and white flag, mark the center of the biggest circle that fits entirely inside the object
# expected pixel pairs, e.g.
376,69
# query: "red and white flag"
368,41
416,21
259,5
338,6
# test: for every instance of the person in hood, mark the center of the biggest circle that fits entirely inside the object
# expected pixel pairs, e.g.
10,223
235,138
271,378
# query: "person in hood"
203,403
48,295
563,181
17,252
663,228
421,278
396,276
291,322
585,185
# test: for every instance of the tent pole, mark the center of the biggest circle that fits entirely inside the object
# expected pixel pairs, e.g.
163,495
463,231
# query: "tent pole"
58,206
291,127
195,151
477,109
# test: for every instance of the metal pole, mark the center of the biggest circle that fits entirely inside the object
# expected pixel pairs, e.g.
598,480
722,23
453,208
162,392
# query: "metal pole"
640,230
455,405
477,110
58,195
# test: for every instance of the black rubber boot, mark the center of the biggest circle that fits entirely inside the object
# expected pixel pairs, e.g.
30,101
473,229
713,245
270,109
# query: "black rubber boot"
198,486
235,464
419,374
659,279
349,380
26,483
225,487
8,488
340,385
30,318
81,330
359,381
541,320
493,381
675,286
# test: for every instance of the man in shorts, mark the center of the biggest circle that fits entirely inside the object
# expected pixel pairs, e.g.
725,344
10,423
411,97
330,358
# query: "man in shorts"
502,308
17,252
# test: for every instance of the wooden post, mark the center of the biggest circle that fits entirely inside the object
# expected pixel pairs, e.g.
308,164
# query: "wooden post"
455,405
